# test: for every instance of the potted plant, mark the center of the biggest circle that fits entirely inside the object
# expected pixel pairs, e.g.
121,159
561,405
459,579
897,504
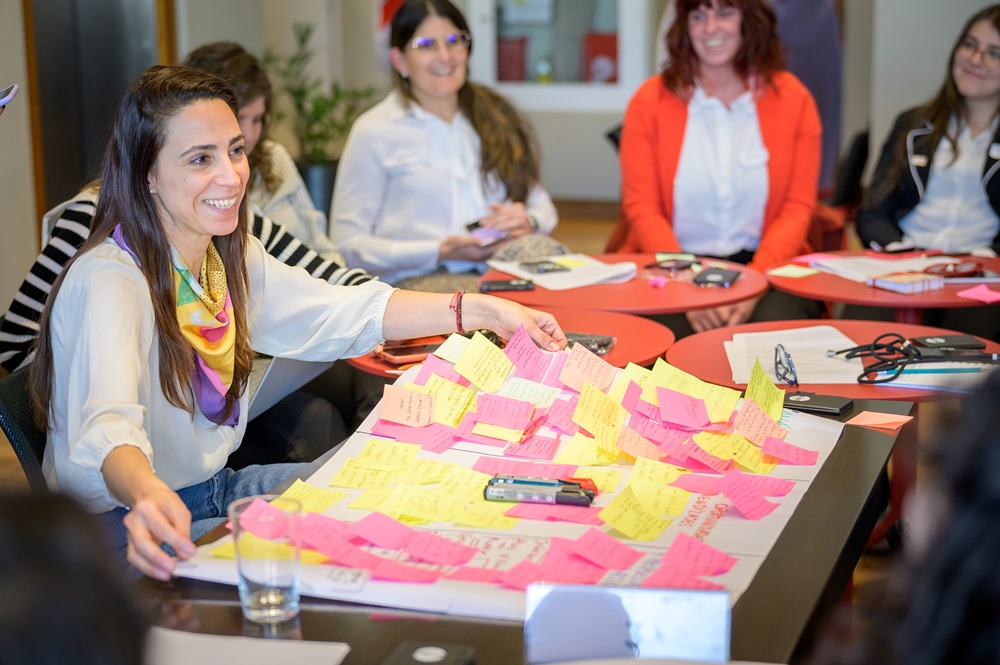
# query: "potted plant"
321,116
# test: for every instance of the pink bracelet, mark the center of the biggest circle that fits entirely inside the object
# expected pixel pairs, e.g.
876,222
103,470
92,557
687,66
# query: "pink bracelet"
456,304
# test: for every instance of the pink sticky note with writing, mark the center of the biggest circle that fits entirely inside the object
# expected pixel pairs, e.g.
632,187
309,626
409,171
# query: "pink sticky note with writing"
394,571
430,547
473,574
682,409
264,520
316,529
529,360
503,411
788,453
982,293
520,576
407,407
632,443
694,556
556,365
383,531
631,396
666,577
770,486
344,553
698,483
886,421
465,432
755,424
699,454
535,447
435,438
605,551
585,366
562,565
434,365
560,415
746,499
546,512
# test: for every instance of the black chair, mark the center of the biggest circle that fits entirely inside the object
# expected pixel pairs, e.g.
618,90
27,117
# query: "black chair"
17,423
615,136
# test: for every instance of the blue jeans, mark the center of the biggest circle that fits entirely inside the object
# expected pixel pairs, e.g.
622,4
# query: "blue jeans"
207,501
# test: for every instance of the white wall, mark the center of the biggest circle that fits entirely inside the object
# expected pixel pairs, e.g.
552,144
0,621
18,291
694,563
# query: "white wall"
18,218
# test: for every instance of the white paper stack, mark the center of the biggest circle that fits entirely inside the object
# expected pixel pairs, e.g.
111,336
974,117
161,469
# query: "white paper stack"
861,268
582,270
807,347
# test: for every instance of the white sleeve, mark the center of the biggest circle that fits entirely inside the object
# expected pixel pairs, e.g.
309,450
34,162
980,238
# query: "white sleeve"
540,208
103,327
359,193
293,315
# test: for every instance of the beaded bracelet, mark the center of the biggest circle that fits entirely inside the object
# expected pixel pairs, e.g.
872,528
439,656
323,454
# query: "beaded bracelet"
456,304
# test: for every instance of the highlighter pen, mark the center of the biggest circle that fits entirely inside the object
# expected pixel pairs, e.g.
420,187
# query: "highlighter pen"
536,494
501,478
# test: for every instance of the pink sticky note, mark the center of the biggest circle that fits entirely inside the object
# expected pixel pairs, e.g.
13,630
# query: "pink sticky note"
789,453
770,486
699,454
555,369
473,574
316,530
698,483
754,424
529,360
682,409
520,576
886,421
585,366
432,548
606,551
344,553
394,571
435,438
545,512
560,415
631,397
535,447
982,293
264,520
503,411
666,577
668,439
465,432
562,565
632,443
434,365
694,556
746,499
407,407
383,531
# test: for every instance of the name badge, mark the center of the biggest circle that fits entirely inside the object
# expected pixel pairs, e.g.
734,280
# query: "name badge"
995,151
919,161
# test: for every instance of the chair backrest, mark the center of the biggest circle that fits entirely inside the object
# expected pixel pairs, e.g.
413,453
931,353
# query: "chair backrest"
17,423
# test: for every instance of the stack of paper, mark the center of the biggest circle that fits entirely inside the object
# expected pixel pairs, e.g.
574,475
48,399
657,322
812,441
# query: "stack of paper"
808,348
861,268
582,270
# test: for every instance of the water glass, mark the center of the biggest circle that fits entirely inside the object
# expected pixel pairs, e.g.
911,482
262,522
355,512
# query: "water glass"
268,553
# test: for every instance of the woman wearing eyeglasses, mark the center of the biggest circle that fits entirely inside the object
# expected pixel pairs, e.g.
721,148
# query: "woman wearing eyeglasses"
437,154
935,186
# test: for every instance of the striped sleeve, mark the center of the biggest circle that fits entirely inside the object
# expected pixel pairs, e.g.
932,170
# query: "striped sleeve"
283,246
19,326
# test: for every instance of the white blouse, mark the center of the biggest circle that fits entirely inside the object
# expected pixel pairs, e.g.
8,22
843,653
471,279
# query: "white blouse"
106,384
721,186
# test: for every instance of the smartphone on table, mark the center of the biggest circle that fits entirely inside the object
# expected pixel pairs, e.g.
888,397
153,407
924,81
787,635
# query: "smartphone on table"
402,352
491,285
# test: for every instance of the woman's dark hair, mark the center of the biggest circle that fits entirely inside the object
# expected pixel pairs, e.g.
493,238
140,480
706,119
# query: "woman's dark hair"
947,103
63,602
760,55
508,147
138,135
246,75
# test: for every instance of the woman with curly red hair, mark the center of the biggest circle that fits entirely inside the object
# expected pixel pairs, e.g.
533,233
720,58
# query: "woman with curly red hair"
720,155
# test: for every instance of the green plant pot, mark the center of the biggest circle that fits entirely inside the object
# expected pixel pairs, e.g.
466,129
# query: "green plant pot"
319,178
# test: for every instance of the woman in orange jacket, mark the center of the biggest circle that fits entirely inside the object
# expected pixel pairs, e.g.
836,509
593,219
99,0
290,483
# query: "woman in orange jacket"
720,154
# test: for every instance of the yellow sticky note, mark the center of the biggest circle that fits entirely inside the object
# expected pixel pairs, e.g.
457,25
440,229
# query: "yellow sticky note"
718,444
595,408
569,261
752,459
451,400
486,515
252,547
719,400
668,376
385,455
632,372
606,478
423,472
498,432
636,445
581,450
484,364
228,551
313,499
420,503
462,483
350,475
661,499
762,390
370,499
655,472
627,515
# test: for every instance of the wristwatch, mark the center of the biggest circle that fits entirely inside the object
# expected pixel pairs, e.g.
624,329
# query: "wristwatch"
533,223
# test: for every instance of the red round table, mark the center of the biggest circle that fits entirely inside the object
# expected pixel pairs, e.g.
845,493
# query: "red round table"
636,296
702,355
907,306
638,340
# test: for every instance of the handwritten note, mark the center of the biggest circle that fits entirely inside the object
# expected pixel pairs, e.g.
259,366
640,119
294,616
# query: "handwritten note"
762,390
434,365
382,455
545,512
605,551
756,425
585,366
462,483
503,411
451,400
631,374
789,453
661,499
484,364
560,415
534,447
484,514
635,445
382,531
595,409
421,503
529,360
407,407
452,348
540,395
655,472
313,499
746,499
353,476
694,556
432,548
395,571
583,450
627,515
681,409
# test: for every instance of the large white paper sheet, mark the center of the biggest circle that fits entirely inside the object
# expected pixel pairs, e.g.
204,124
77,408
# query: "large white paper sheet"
860,268
808,349
584,271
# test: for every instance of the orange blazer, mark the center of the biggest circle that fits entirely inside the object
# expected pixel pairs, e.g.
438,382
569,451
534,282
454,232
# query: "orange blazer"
651,142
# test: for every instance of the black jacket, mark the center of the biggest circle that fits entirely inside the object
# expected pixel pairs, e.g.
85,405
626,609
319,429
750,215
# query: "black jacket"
878,221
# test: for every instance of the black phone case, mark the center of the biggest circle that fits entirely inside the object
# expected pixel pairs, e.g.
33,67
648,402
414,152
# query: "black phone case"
412,652
812,403
491,285
717,277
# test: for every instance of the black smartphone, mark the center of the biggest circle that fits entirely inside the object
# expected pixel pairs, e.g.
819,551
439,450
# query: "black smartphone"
403,354
542,267
717,277
412,652
948,342
828,405
491,285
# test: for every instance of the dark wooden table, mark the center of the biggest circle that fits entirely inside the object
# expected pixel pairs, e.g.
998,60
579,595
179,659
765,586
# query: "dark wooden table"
775,620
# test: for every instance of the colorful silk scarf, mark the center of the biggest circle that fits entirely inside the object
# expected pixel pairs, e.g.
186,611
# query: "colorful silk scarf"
204,314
